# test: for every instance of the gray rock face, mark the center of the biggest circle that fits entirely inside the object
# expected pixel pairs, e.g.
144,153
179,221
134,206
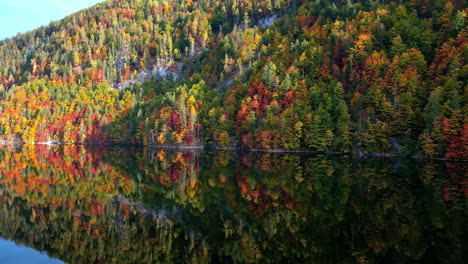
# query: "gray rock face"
267,21
165,73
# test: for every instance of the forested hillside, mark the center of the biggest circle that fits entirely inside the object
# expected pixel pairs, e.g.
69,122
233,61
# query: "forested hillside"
322,75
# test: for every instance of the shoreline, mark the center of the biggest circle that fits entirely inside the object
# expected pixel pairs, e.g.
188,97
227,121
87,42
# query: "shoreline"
356,154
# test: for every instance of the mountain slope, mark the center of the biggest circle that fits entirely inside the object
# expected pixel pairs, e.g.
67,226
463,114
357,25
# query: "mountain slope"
323,75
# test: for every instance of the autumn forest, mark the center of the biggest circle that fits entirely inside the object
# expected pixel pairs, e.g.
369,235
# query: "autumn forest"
324,75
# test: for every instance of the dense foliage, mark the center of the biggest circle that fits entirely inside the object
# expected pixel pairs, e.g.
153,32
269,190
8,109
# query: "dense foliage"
89,205
324,75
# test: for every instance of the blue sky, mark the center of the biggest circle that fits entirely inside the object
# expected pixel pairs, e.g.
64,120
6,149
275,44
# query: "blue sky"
25,15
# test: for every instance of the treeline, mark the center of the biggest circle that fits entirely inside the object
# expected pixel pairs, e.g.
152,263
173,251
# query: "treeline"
378,76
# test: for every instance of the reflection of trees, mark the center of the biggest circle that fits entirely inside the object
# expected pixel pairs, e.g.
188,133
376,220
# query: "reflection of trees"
120,233
328,207
71,205
199,207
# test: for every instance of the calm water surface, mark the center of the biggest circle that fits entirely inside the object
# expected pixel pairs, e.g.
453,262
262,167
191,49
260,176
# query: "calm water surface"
121,205
12,253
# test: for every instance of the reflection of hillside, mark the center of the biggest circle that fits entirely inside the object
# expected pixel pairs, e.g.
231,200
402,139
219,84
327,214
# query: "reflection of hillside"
71,204
56,176
120,233
83,205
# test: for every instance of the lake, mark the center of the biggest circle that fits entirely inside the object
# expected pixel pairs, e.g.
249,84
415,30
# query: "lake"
82,204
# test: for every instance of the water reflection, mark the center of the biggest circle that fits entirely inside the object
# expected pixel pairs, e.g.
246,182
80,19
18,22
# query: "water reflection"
12,253
86,205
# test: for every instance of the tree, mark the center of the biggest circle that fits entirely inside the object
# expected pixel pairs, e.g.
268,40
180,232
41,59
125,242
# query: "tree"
343,140
455,133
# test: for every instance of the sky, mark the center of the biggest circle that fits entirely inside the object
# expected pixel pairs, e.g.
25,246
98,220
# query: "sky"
19,16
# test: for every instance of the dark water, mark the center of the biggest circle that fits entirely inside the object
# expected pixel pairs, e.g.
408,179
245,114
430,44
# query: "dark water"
140,206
